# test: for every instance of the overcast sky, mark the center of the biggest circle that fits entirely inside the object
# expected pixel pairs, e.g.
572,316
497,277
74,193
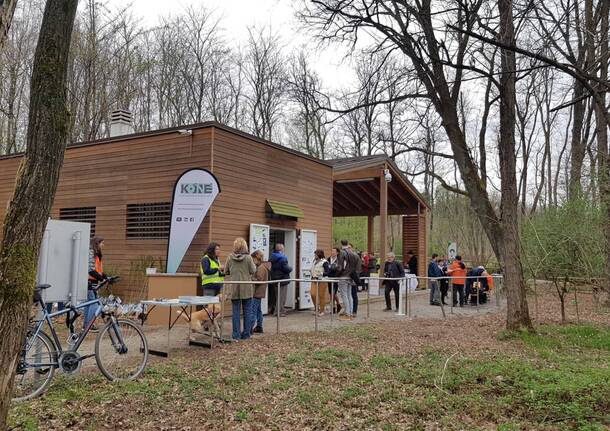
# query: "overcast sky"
238,15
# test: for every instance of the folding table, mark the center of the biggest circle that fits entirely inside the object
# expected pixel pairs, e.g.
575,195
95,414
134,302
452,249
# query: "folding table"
185,303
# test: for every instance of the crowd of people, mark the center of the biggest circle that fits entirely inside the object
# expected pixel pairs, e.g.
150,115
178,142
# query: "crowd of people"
349,267
469,285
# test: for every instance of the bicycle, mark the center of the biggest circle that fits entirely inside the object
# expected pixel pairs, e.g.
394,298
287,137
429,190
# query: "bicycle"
121,349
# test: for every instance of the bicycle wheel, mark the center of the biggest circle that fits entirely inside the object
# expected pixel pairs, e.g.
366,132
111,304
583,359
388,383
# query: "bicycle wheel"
121,361
36,366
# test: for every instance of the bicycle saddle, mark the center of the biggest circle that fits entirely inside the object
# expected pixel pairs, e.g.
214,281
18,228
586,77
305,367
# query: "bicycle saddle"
42,286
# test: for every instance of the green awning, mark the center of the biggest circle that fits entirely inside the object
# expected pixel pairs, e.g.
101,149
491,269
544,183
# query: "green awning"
285,209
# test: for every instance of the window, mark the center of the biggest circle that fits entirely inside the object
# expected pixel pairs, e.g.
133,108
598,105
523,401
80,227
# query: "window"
148,221
83,215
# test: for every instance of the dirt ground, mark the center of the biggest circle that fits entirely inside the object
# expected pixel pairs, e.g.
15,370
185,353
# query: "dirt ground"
342,377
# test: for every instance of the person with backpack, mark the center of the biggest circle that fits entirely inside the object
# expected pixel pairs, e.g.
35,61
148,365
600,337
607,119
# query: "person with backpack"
348,265
478,286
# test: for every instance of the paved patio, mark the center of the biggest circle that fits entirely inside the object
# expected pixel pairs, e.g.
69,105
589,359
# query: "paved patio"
305,321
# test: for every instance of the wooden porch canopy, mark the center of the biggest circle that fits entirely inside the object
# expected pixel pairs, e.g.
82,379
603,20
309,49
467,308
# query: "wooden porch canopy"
360,188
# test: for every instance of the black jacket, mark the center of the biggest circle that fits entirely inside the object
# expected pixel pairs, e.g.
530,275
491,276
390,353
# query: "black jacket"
412,264
393,270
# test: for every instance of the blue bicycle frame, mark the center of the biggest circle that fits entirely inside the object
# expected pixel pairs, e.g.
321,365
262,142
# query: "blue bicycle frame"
47,318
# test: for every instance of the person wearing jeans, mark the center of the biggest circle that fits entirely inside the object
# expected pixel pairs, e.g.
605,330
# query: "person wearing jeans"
60,306
96,276
239,306
262,274
240,267
345,291
435,273
348,263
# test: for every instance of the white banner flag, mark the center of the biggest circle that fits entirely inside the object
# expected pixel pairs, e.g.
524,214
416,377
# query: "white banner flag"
194,193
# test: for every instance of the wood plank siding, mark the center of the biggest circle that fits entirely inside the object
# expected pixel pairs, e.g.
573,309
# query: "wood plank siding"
414,237
251,172
141,169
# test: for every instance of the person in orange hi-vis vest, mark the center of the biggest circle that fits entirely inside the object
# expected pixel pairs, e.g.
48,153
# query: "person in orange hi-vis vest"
96,276
457,272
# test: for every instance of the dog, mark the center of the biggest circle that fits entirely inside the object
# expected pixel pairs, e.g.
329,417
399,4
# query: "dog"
200,320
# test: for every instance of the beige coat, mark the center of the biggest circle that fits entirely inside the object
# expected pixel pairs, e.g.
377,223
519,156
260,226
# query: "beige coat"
240,267
262,274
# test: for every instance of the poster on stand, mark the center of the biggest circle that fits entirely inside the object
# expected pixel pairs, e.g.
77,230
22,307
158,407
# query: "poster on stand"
373,286
259,240
194,192
308,245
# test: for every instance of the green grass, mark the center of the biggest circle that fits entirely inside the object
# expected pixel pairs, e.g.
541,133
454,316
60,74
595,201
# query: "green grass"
558,379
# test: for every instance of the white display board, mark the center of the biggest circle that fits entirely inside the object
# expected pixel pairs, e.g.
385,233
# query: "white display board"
410,283
374,285
259,240
451,251
290,250
307,247
64,261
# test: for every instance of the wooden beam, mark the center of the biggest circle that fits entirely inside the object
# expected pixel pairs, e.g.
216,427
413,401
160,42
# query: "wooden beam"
341,202
356,198
356,174
371,195
400,197
370,237
383,218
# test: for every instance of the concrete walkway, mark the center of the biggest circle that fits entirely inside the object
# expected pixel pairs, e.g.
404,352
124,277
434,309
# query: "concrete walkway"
305,321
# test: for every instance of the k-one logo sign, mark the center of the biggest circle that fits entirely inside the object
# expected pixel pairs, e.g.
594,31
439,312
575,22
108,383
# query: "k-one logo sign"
194,192
196,189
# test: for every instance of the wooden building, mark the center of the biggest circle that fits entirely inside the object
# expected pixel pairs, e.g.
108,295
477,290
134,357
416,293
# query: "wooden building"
123,186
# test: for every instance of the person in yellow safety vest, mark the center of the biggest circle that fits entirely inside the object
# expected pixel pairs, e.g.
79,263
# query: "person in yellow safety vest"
211,271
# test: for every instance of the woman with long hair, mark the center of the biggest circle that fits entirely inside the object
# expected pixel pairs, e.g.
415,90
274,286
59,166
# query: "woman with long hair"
96,276
319,291
240,267
210,270
333,271
260,290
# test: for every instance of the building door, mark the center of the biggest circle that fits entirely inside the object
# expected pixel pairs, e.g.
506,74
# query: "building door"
288,237
308,244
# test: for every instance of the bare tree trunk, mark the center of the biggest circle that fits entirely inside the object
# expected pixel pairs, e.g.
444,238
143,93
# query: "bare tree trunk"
7,9
602,138
578,147
36,185
518,313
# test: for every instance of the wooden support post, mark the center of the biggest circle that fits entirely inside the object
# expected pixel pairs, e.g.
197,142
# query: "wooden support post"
383,218
370,237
